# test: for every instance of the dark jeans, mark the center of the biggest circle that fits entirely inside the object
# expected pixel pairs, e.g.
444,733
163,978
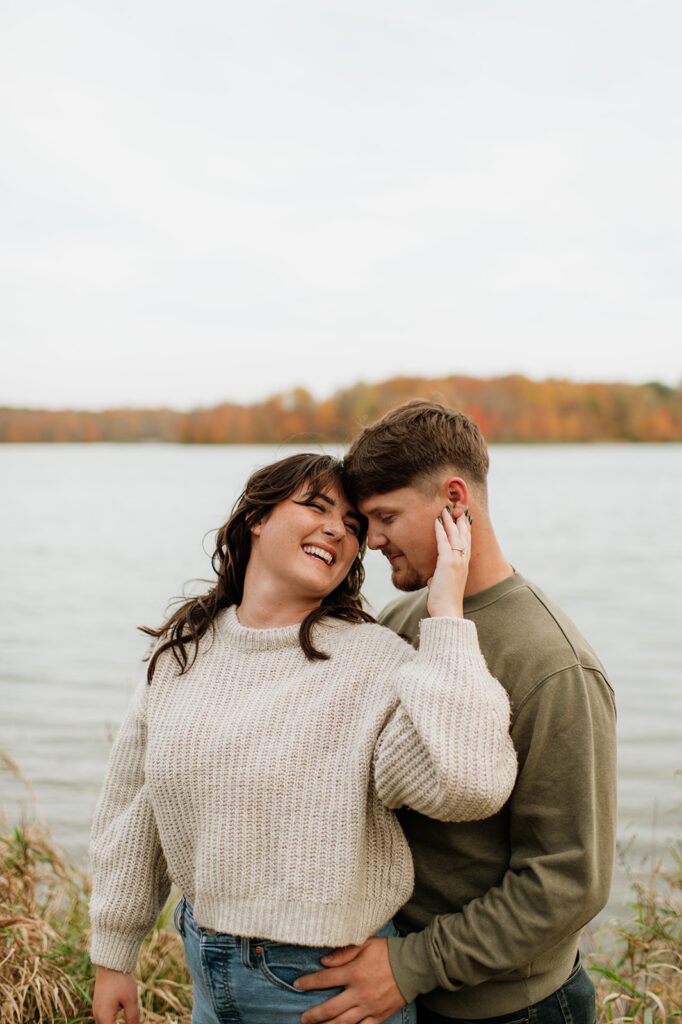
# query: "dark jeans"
573,1003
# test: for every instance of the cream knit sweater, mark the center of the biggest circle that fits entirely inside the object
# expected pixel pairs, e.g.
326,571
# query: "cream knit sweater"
262,783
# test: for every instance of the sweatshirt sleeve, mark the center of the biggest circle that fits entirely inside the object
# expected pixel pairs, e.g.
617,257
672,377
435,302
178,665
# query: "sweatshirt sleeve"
562,843
130,881
445,750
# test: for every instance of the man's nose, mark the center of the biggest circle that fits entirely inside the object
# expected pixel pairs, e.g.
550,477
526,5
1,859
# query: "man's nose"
375,537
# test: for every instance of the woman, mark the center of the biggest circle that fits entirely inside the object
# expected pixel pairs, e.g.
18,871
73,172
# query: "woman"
260,761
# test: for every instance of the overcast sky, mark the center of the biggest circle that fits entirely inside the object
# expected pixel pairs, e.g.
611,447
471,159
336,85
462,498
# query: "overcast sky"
216,201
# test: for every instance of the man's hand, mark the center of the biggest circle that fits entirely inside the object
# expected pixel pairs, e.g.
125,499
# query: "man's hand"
370,993
114,991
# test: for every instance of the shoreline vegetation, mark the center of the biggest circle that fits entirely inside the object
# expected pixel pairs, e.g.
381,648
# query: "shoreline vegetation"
46,975
510,409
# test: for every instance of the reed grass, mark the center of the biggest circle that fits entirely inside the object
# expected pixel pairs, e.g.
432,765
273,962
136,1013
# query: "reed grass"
45,973
637,964
46,976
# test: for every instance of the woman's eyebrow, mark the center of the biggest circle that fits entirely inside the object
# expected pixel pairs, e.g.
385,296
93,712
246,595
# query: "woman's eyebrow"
332,501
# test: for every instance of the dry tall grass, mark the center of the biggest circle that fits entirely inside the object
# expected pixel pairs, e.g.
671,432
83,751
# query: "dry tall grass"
46,975
637,967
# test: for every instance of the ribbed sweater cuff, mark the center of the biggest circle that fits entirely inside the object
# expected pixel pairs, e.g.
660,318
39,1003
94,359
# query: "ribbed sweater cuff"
115,950
438,634
411,964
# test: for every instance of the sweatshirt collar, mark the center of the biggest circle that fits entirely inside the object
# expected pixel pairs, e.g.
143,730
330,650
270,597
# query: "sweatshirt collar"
474,602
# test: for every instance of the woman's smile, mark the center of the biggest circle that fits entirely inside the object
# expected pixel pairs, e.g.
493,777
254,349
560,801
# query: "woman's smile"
324,554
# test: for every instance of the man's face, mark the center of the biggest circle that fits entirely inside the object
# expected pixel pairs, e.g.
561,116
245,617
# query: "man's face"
402,527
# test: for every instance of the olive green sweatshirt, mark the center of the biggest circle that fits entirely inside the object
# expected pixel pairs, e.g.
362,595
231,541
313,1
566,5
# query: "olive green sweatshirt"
499,904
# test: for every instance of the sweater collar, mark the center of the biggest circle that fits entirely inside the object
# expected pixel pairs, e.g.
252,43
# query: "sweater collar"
248,639
245,638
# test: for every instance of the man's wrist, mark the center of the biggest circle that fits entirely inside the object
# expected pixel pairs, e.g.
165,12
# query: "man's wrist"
411,964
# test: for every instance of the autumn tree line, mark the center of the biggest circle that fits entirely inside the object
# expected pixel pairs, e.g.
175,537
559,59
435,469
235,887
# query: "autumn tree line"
508,409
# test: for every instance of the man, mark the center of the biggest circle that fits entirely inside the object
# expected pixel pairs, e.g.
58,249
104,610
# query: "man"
491,932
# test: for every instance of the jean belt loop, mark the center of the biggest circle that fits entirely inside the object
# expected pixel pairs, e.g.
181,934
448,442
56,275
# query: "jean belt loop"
246,952
183,908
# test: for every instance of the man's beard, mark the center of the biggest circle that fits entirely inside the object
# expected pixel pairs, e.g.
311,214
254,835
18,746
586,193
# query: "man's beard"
407,579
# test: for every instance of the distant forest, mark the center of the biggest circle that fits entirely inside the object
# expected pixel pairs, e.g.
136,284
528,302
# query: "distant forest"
508,409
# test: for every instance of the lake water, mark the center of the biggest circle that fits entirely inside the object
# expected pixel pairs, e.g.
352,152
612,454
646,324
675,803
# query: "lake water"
96,539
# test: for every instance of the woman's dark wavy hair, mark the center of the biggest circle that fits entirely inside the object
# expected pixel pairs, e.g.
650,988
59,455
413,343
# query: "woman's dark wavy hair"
265,489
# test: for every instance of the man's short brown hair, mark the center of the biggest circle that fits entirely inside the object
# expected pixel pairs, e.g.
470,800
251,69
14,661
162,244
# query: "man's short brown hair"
412,443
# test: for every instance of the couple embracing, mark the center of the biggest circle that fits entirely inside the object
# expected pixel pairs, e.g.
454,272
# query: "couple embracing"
363,829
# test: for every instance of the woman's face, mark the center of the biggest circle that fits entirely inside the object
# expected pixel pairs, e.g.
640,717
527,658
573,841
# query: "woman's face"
307,543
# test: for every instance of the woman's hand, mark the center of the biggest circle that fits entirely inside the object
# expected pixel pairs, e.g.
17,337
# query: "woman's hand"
446,586
114,991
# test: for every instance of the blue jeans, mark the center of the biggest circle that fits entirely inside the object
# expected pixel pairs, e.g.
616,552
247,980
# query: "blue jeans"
573,1003
250,981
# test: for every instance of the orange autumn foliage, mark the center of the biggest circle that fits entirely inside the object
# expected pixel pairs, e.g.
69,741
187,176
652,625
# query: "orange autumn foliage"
508,409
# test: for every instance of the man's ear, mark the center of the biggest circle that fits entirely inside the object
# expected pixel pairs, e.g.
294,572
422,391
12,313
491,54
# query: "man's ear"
457,495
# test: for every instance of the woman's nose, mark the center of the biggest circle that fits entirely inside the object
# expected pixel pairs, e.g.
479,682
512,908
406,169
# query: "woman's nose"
334,527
